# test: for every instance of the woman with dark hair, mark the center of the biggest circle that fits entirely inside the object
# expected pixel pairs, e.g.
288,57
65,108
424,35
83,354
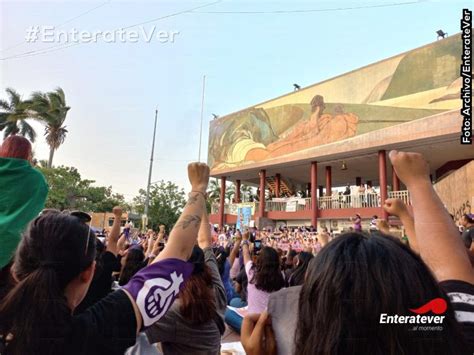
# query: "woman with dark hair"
264,277
132,262
384,277
374,295
297,276
195,322
23,192
54,266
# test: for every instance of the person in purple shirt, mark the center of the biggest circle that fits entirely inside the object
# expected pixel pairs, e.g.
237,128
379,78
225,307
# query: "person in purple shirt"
54,266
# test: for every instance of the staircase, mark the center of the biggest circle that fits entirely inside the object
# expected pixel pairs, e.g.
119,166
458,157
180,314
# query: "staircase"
286,190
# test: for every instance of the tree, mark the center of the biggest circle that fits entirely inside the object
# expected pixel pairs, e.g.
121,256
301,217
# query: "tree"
166,204
68,191
246,192
214,190
51,109
13,116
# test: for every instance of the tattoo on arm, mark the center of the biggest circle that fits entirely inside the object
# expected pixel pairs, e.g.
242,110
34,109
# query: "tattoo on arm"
188,220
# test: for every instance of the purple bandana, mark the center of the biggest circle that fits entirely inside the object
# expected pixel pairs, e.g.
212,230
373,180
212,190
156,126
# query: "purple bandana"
155,287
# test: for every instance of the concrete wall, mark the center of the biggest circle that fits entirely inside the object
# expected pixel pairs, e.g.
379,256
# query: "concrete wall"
457,190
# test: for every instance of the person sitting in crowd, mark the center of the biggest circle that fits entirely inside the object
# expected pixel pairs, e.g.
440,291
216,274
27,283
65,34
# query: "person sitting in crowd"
224,271
23,192
357,280
195,322
297,276
264,277
54,266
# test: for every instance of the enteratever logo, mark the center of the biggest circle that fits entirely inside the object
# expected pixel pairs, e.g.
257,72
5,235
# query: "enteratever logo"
437,306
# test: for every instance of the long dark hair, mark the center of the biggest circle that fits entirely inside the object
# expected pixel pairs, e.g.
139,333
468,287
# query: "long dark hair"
351,282
197,298
133,264
267,274
297,277
55,249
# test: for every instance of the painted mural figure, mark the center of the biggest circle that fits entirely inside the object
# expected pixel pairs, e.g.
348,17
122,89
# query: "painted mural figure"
420,83
321,128
252,137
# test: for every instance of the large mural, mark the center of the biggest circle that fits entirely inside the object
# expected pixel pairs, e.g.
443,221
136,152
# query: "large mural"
416,84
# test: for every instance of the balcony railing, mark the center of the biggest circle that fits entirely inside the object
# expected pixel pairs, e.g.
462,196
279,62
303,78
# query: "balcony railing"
371,200
402,195
349,201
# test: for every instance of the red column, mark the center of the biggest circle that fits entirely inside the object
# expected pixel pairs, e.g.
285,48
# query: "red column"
395,181
314,196
383,180
237,191
222,203
277,185
261,208
328,181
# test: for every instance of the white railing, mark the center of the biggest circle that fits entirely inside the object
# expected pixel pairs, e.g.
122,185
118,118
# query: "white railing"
306,206
402,195
276,206
349,201
324,203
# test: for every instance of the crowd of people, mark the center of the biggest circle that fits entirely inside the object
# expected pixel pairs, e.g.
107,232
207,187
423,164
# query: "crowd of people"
288,291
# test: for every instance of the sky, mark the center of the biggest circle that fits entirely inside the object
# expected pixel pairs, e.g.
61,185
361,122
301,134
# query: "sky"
249,51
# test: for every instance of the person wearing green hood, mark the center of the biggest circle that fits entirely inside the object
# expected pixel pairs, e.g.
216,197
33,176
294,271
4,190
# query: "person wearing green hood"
23,192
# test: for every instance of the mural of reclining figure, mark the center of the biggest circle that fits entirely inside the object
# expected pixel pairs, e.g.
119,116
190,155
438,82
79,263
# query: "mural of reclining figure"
252,138
321,128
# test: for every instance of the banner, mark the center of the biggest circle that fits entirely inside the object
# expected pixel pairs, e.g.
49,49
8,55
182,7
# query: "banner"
244,215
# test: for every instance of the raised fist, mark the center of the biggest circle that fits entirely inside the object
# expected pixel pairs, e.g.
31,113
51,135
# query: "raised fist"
198,174
395,207
410,167
117,211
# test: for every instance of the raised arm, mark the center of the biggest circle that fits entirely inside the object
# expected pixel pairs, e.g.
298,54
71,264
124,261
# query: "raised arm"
246,248
397,207
438,239
179,246
115,232
183,236
235,250
204,236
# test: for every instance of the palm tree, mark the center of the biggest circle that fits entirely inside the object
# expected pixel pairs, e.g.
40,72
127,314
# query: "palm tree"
51,109
13,116
246,192
214,190
230,192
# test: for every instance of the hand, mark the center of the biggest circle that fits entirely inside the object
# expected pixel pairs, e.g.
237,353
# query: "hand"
383,226
245,236
395,207
410,167
257,335
323,239
117,211
198,174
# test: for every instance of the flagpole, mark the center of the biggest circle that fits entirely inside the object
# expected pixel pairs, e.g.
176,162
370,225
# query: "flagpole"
202,111
147,199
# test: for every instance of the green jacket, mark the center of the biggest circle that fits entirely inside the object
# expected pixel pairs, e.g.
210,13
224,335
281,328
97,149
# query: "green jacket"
23,192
